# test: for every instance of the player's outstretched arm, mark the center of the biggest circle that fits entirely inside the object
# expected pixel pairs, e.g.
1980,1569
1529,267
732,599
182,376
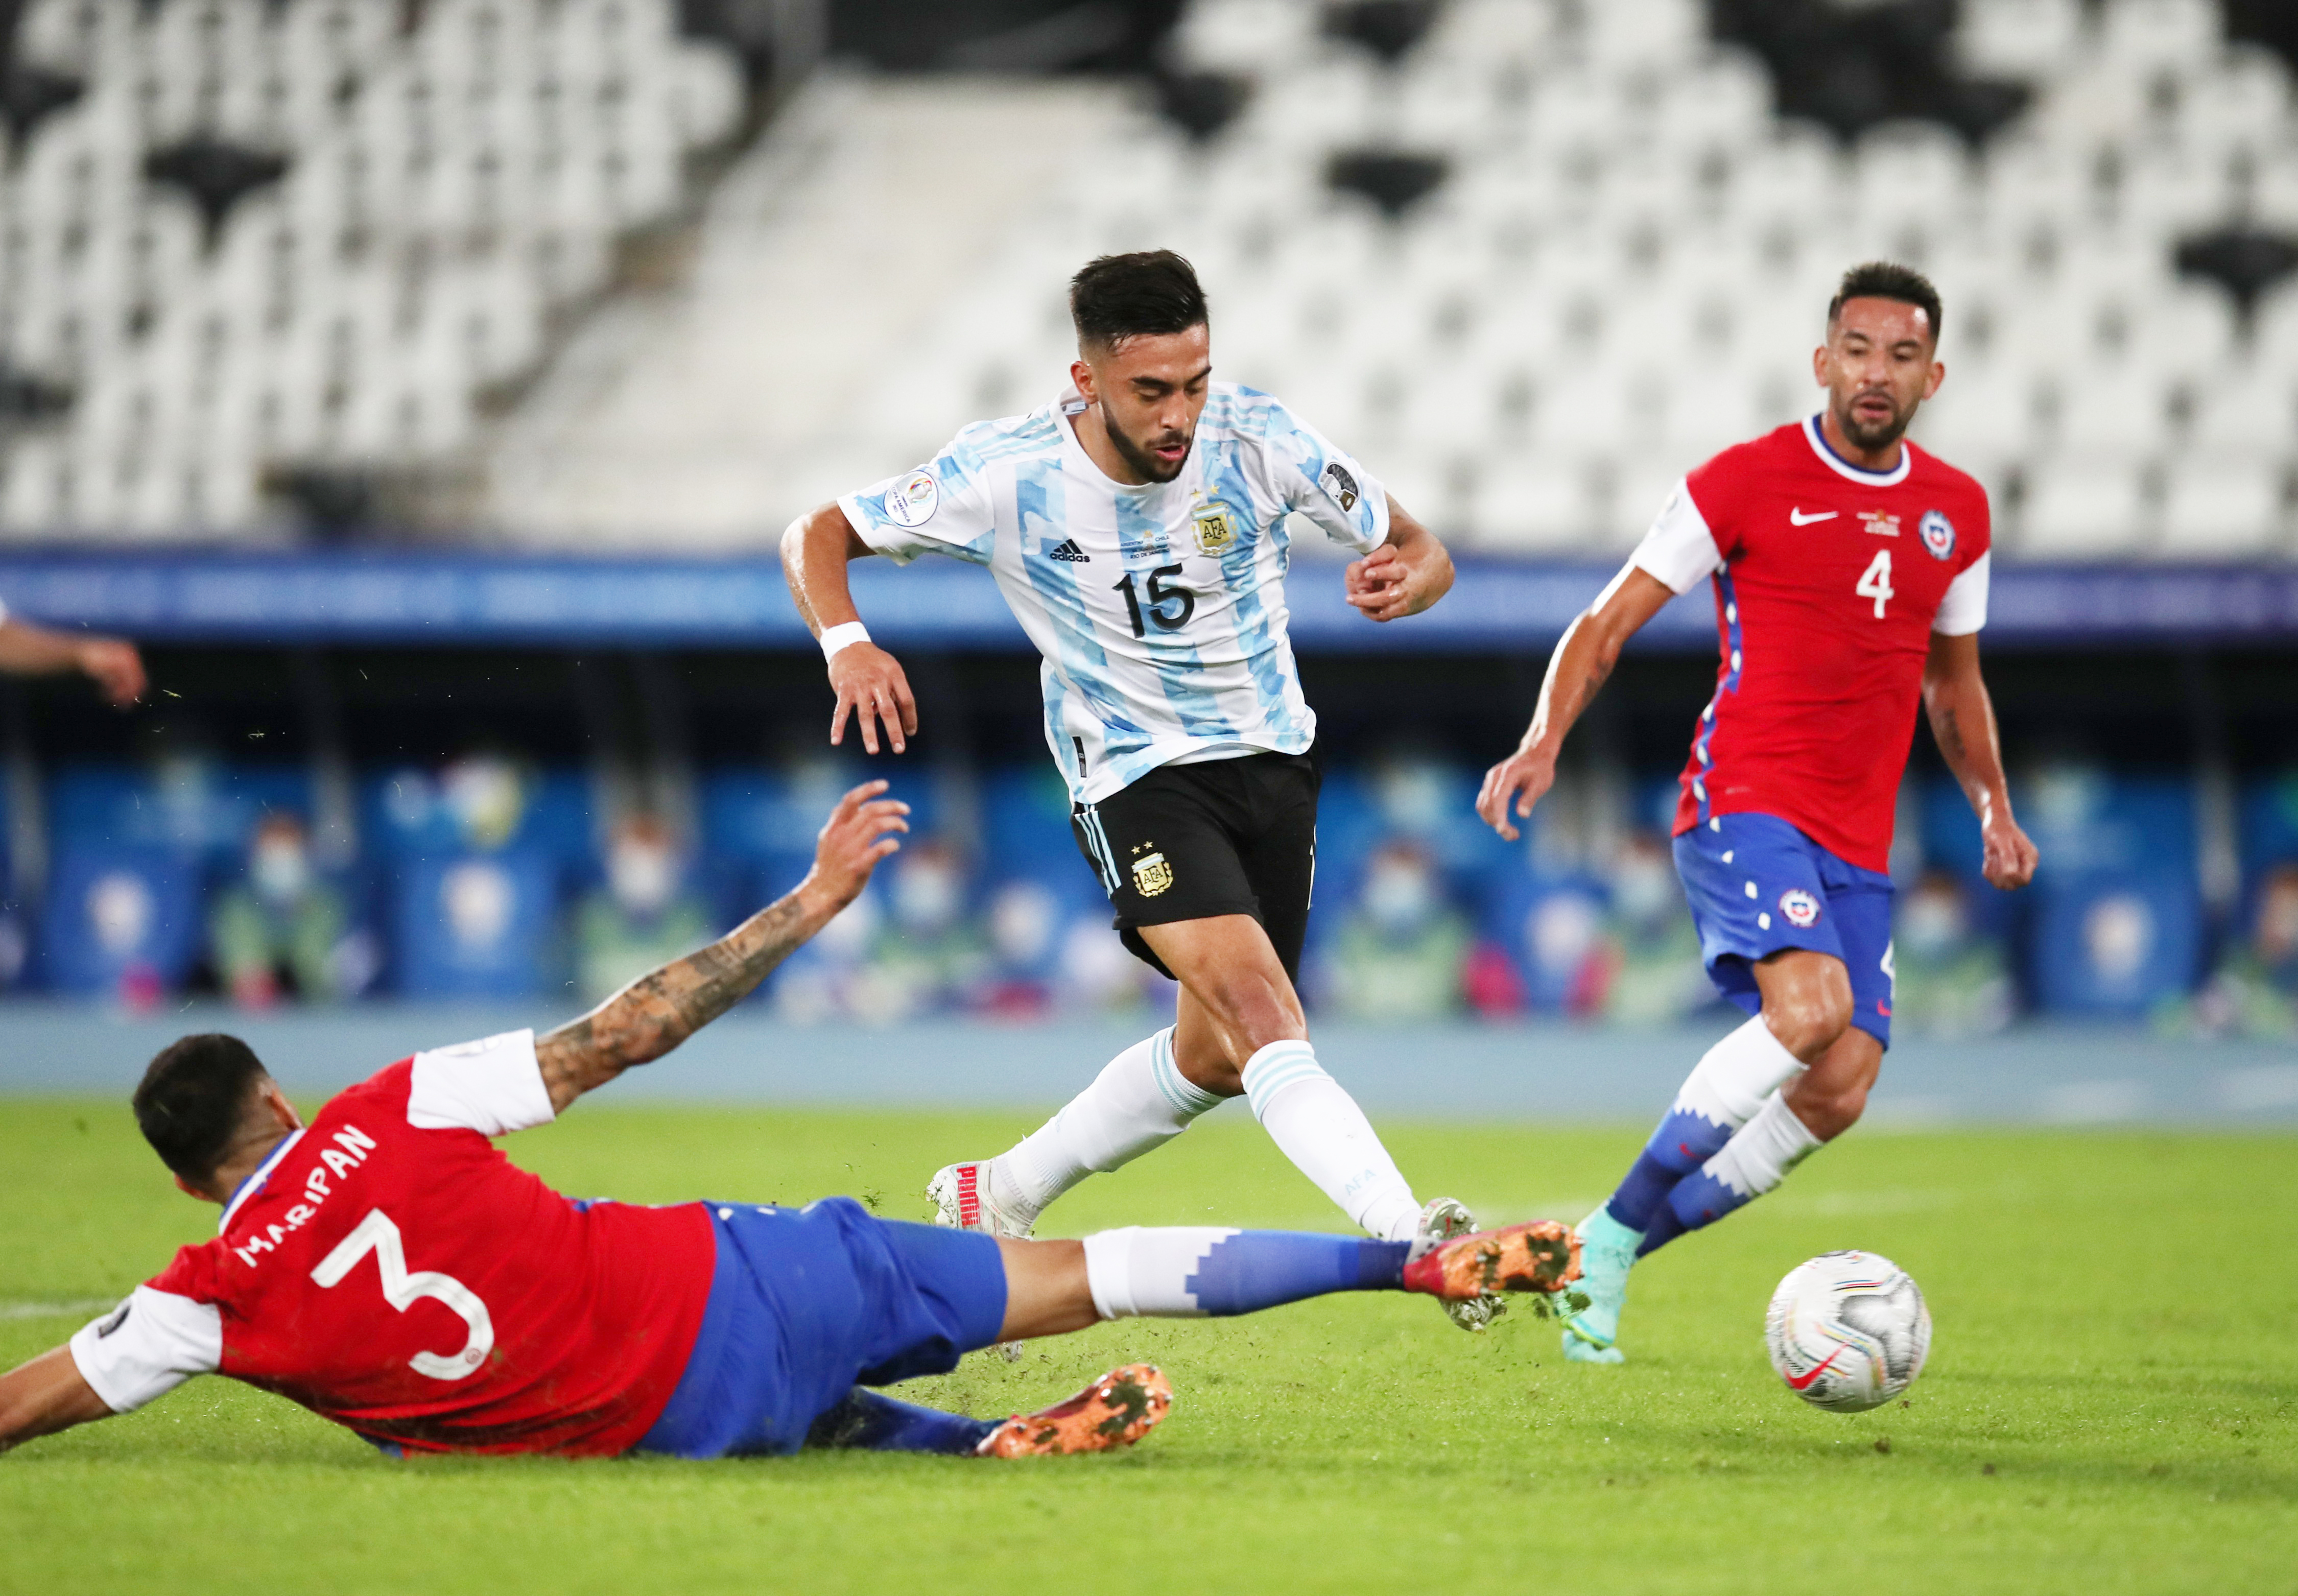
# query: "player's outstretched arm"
1961,713
1405,574
46,1396
112,663
656,1012
1583,659
868,681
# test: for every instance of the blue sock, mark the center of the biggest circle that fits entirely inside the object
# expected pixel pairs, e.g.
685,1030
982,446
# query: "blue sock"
868,1422
1189,1271
1698,1199
1682,1143
1254,1269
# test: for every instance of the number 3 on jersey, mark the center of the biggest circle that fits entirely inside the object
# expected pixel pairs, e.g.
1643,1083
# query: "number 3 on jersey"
1876,583
377,1235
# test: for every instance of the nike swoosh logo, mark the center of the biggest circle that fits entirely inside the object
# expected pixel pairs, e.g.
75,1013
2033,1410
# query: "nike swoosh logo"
1795,1384
1800,519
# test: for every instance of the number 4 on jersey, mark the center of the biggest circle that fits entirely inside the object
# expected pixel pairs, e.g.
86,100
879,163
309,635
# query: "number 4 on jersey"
1876,583
377,1235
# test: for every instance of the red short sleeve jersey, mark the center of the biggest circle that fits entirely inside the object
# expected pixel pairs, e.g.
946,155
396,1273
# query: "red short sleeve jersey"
1829,582
389,1269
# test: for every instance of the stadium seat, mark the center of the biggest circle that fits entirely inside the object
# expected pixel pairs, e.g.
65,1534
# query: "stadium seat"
2083,507
2115,943
119,919
1551,931
2150,36
2225,507
475,925
2019,38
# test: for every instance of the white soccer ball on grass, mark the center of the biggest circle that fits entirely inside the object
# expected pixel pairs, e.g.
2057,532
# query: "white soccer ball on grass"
1847,1331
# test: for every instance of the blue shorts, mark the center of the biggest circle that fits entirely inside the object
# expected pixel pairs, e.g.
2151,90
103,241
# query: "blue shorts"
1758,885
806,1304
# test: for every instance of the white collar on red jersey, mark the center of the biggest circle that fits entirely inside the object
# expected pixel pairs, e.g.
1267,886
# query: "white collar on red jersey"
1843,467
254,1182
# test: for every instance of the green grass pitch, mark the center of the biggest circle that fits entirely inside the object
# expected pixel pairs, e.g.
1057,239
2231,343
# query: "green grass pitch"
2111,1403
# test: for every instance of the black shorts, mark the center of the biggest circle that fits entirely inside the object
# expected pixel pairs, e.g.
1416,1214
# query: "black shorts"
1192,841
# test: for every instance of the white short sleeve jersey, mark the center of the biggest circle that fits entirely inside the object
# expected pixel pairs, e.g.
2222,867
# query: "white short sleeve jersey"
493,1087
1964,610
147,1347
1679,550
1159,609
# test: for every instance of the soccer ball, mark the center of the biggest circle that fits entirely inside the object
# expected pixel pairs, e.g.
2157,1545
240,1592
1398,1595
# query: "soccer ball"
1847,1331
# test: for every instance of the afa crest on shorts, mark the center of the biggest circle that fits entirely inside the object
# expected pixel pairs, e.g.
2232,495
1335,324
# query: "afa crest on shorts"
1800,907
1216,527
1938,534
1152,874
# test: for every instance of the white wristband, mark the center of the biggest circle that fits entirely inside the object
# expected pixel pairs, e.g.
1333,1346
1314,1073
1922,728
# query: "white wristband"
841,636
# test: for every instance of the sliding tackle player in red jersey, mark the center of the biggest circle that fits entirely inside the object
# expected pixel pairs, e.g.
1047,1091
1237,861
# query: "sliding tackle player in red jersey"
387,1268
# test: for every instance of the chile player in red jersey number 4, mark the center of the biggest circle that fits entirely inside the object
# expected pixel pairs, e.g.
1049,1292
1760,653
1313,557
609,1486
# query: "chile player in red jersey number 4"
387,1268
1850,573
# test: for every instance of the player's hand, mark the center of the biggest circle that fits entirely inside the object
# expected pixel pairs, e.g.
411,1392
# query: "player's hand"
2009,857
1384,586
863,830
1512,787
115,666
871,688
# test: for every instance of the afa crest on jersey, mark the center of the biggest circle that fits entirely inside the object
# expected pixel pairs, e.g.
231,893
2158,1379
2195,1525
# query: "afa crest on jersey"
912,500
1152,874
1216,527
1938,534
1800,907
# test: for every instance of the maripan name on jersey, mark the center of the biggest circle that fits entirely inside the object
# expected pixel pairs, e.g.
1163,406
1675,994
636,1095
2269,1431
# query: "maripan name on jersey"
1159,609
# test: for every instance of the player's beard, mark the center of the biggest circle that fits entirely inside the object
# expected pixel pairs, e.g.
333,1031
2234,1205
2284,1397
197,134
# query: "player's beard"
1874,438
1144,464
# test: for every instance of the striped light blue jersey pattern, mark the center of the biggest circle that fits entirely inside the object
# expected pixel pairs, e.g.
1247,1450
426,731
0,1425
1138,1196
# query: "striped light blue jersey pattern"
1161,610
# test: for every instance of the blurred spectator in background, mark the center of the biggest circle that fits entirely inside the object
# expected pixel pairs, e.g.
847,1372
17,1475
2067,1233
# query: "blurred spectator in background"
1949,979
283,929
643,917
111,664
2255,991
1653,975
1401,953
928,956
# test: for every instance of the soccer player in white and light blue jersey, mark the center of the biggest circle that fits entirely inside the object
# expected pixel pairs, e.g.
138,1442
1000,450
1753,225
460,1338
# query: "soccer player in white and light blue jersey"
1140,527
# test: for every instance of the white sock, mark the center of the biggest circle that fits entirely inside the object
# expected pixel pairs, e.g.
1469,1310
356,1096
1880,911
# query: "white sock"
1322,1130
1140,1100
1762,1152
1133,1271
1733,1078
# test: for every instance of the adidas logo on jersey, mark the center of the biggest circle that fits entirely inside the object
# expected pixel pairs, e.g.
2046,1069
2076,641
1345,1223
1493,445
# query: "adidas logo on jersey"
1067,550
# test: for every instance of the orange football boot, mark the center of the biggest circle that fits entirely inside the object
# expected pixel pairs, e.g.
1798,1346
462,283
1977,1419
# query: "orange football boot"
1543,1256
1115,1411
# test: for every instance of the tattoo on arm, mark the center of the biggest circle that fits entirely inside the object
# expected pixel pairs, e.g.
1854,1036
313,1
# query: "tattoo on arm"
656,1012
1600,671
1949,733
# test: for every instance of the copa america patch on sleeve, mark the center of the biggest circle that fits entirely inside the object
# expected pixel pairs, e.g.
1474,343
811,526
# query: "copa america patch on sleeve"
912,500
1341,484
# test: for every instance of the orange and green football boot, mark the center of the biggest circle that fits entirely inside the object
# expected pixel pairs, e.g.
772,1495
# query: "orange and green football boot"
1543,1256
1115,1411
